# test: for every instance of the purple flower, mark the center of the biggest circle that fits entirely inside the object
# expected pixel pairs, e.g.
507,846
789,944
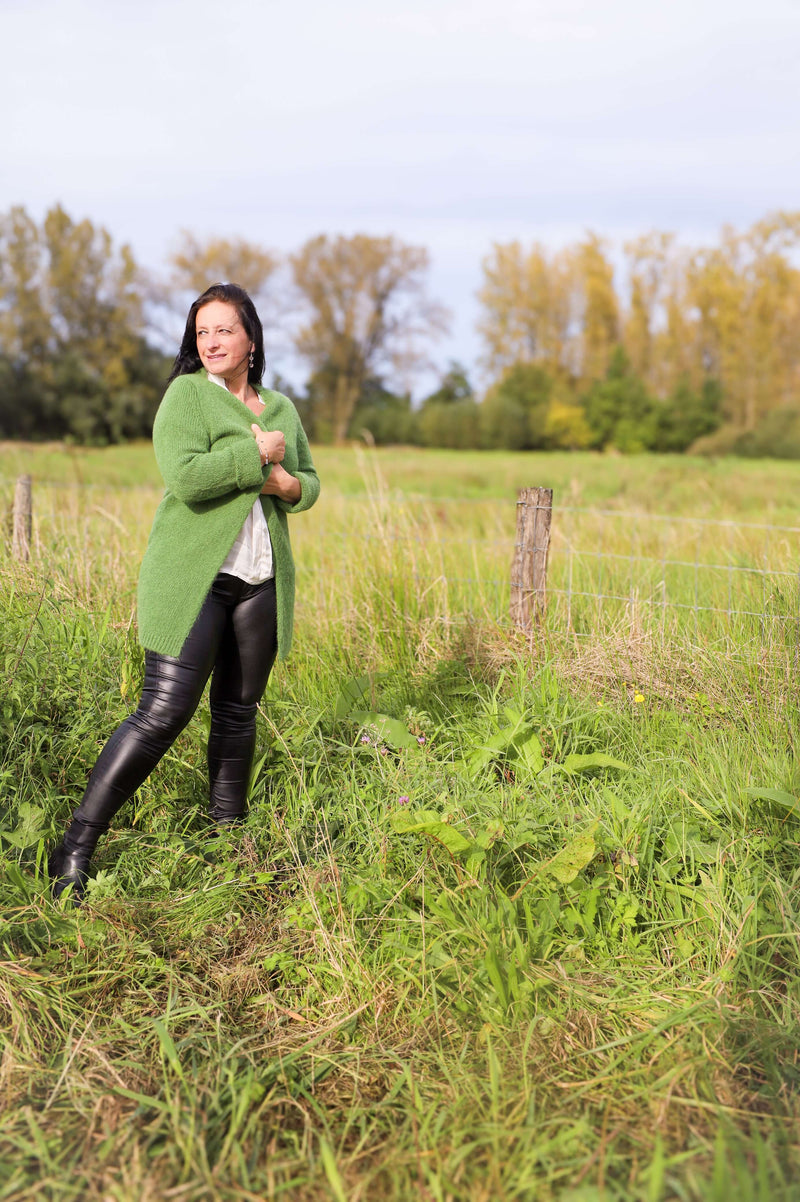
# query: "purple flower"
366,739
402,801
420,739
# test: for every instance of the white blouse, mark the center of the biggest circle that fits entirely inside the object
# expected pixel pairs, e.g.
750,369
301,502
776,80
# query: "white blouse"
250,557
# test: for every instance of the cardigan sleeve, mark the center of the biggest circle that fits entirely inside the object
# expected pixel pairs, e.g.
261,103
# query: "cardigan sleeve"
193,468
305,473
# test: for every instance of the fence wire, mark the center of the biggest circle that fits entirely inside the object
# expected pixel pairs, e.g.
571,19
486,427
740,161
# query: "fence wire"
726,583
722,582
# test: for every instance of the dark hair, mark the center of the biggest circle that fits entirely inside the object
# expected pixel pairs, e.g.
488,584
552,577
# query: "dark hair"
187,359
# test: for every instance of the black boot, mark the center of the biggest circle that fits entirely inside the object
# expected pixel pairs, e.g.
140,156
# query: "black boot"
68,864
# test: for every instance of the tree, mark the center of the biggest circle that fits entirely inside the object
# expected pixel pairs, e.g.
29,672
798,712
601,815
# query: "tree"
514,410
454,424
619,410
687,415
746,297
71,321
598,308
528,301
454,386
197,264
383,417
560,309
649,262
94,296
24,322
367,316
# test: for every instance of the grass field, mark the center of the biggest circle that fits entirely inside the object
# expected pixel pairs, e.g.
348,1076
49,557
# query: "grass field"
511,918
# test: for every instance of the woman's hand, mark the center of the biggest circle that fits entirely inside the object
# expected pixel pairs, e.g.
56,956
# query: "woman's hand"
271,444
281,484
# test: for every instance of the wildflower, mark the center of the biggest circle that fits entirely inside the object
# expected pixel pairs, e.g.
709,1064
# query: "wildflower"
638,698
366,739
402,801
420,739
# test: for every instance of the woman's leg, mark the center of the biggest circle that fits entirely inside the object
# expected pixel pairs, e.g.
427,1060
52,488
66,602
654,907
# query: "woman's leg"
172,690
246,655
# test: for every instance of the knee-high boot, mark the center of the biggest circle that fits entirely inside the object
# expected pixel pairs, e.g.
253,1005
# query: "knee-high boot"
68,863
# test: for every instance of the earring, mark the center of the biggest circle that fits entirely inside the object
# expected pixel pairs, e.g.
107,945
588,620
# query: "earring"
251,358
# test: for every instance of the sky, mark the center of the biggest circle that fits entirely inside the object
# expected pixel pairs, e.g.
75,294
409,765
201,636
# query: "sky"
450,125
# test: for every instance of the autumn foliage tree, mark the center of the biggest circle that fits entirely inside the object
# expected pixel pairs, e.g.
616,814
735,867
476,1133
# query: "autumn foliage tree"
653,346
366,316
197,263
709,334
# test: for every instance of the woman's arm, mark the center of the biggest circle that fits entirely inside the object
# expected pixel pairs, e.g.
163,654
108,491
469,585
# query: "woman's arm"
184,453
305,477
281,484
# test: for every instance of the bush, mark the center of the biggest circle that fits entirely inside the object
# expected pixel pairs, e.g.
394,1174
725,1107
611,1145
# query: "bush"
687,416
385,424
452,424
503,423
514,410
619,410
566,428
777,436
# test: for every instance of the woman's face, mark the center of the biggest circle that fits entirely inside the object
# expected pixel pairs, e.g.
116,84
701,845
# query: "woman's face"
222,342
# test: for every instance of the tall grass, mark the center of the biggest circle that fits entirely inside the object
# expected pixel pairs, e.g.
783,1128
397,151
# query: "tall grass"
510,918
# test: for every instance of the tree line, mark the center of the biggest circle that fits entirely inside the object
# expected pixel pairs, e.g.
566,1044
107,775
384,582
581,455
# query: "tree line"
665,348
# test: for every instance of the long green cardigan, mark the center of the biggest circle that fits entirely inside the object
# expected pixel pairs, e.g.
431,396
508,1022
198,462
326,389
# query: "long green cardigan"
212,470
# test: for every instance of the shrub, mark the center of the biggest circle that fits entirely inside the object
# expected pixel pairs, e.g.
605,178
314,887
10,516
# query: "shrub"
777,436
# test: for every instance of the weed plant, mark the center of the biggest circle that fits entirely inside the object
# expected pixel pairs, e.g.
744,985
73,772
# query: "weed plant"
511,917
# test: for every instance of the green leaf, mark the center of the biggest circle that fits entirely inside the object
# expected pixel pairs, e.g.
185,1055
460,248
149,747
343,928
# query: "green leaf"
353,693
616,805
29,829
786,800
701,851
528,752
476,857
489,751
590,763
388,730
428,822
491,833
518,744
566,865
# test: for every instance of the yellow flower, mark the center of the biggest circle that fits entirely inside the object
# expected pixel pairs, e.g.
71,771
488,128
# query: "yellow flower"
638,698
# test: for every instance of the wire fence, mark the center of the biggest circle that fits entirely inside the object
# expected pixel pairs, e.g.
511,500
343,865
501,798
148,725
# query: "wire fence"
720,582
729,584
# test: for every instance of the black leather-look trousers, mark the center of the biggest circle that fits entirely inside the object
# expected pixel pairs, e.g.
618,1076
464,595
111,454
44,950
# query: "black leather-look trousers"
234,641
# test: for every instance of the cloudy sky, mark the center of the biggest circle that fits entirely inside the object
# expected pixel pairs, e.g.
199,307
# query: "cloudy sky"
451,124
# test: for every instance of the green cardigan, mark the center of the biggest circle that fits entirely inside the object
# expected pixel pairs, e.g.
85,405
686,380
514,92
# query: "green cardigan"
212,471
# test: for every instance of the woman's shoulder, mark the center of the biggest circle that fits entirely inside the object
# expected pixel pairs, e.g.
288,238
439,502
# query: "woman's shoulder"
186,389
178,401
185,385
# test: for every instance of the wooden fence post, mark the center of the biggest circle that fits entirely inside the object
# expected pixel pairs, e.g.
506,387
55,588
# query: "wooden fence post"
529,568
23,511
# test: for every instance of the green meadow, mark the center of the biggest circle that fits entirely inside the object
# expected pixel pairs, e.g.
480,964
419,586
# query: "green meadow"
514,914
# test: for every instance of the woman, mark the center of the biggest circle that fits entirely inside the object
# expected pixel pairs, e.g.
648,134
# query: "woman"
216,587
